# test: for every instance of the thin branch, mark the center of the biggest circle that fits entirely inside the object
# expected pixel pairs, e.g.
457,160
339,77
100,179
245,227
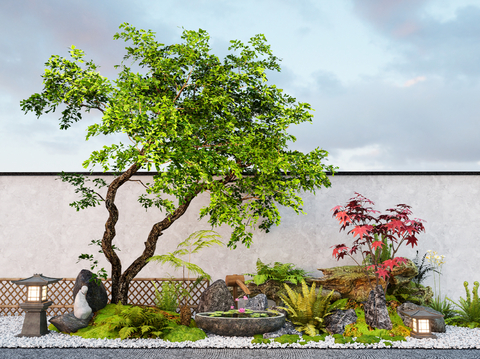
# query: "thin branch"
184,85
130,180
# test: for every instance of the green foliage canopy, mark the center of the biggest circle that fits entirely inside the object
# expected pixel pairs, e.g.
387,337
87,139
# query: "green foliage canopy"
203,117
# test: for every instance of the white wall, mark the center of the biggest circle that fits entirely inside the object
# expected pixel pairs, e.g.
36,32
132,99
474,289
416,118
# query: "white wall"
41,233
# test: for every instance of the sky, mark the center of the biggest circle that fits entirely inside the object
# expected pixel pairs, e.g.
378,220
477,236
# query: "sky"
395,84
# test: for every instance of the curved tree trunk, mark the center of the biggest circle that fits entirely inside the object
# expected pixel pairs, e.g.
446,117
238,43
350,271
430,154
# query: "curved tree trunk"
121,281
110,232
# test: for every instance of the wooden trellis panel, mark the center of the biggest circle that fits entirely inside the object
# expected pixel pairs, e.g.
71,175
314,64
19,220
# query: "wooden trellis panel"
141,292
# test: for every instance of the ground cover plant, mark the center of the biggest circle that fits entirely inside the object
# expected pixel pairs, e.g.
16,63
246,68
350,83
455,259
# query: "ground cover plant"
130,322
217,126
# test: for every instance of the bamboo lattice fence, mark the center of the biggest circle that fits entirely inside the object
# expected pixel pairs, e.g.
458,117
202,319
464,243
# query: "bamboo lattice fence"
141,292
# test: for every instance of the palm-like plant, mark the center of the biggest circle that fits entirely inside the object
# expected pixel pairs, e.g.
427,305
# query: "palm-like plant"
194,243
469,309
307,310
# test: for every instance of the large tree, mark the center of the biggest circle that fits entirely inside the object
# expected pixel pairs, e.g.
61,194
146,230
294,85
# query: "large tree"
219,126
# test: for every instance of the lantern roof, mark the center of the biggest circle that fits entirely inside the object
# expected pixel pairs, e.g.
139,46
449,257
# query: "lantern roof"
423,314
36,279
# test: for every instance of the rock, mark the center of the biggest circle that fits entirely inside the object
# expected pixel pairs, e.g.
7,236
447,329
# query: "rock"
438,324
336,322
351,281
68,323
97,297
81,309
336,295
216,297
376,312
259,302
288,328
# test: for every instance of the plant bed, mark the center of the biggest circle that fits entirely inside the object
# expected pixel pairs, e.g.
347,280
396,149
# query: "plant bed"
244,325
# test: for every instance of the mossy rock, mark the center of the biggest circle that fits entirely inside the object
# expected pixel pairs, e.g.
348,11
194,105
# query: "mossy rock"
360,327
182,333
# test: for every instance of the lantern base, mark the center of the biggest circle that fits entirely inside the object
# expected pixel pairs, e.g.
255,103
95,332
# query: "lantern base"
423,336
35,323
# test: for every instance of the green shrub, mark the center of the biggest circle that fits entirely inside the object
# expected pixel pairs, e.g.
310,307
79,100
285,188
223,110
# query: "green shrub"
166,299
469,309
281,272
125,321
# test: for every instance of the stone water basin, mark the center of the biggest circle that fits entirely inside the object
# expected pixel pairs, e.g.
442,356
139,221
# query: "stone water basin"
240,326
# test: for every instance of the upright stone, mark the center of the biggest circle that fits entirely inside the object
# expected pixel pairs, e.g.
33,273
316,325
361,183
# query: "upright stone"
216,297
97,297
376,312
259,302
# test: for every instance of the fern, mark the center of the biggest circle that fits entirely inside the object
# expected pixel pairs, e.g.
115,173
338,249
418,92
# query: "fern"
135,322
308,310
281,272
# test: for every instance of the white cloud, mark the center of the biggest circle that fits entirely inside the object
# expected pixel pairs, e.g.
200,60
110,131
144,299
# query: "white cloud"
414,81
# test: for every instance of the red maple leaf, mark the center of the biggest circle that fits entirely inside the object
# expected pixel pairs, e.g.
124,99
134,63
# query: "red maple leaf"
339,251
411,240
377,244
390,263
382,273
361,230
343,217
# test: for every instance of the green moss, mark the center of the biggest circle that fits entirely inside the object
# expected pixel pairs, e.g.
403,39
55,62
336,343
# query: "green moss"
287,339
258,339
360,327
54,328
182,333
126,321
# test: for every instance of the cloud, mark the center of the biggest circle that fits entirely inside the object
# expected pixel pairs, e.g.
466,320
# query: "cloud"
423,42
414,81
377,124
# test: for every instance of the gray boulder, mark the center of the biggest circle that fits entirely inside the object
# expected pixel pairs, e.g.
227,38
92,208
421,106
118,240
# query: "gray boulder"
97,297
438,324
68,323
216,297
259,302
336,322
288,328
376,312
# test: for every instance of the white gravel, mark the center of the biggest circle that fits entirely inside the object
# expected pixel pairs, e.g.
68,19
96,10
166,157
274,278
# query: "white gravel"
454,338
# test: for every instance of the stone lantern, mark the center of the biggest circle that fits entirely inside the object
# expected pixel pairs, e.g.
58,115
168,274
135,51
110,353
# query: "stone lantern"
421,326
35,323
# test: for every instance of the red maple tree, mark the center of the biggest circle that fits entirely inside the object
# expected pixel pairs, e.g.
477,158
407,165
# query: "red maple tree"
368,225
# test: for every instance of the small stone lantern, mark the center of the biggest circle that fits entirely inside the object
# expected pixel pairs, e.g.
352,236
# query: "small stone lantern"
35,323
421,326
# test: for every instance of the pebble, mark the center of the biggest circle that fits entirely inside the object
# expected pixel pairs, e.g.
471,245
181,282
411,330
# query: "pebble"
454,338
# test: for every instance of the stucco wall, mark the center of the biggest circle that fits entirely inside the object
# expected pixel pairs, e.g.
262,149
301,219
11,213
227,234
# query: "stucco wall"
41,233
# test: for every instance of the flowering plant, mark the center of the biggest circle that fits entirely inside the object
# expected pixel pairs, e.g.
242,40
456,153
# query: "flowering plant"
368,226
437,262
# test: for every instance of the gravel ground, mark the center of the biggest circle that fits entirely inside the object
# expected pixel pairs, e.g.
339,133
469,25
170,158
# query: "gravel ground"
454,338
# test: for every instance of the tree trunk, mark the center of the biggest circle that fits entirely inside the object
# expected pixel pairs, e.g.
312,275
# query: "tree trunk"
121,281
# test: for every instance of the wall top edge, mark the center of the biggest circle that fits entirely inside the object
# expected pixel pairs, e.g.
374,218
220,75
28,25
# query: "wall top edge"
340,173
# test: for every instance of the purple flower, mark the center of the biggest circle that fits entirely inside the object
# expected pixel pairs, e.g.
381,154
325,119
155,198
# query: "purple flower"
241,310
245,297
236,299
232,307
